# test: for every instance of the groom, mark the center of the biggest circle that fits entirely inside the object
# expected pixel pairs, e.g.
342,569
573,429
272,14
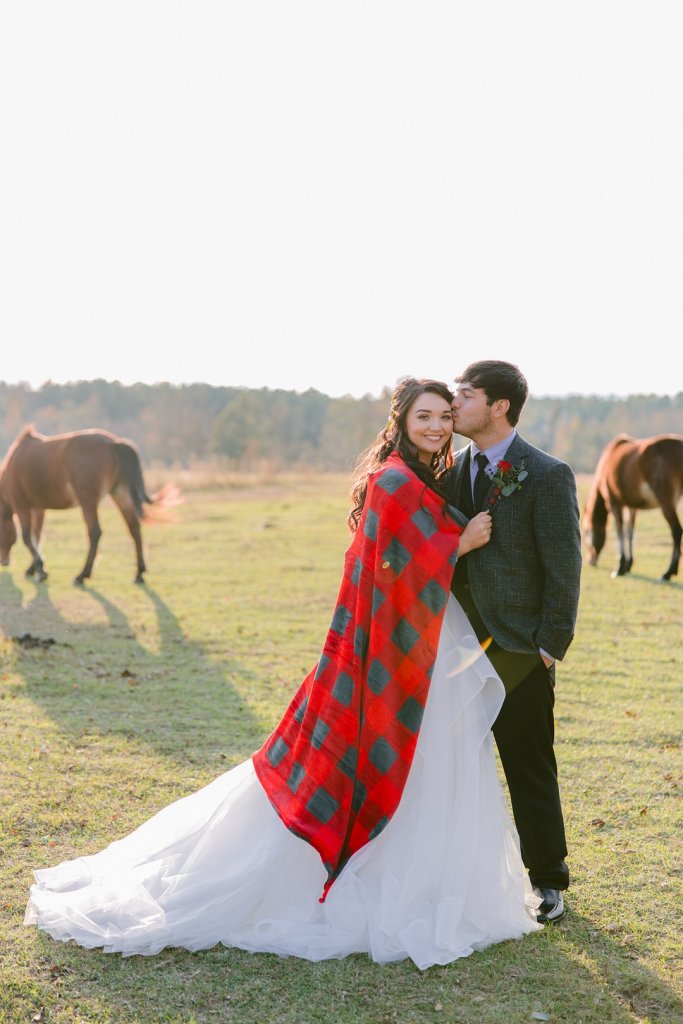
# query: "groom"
521,592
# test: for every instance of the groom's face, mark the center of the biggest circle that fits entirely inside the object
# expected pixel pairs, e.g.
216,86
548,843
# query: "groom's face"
471,414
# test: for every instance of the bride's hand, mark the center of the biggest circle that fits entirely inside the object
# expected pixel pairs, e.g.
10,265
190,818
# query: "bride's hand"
476,533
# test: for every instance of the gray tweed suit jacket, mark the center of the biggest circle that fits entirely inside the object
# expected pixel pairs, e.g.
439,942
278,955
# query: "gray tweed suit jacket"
525,581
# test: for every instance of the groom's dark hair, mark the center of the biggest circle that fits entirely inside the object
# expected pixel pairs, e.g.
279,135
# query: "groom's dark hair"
498,380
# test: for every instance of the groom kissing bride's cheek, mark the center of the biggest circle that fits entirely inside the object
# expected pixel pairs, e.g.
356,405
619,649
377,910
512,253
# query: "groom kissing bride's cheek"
520,592
372,818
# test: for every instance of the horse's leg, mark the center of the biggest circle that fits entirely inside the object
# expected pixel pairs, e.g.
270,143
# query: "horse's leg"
36,568
122,497
37,520
630,515
94,533
29,544
618,513
669,512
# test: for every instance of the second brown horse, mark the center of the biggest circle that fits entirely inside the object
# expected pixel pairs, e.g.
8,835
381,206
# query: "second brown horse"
64,471
631,475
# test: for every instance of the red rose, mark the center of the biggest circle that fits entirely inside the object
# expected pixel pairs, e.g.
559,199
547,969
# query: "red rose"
504,465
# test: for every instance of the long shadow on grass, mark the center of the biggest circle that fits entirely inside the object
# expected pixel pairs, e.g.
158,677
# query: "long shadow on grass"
103,678
634,577
614,954
577,972
671,584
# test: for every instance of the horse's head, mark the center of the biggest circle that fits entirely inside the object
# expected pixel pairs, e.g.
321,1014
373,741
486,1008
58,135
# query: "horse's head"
595,527
8,531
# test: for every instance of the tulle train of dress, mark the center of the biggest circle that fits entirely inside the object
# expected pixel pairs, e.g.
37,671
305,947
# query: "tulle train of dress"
444,878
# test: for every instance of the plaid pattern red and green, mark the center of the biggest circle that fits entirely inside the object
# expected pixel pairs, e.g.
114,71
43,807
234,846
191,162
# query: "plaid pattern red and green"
335,767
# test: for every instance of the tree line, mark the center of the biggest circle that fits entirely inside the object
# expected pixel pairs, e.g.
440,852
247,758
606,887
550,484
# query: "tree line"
181,425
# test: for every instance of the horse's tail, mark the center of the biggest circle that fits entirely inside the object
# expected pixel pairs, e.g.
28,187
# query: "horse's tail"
130,474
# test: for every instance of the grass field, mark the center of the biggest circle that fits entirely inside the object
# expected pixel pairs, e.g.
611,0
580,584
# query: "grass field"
150,692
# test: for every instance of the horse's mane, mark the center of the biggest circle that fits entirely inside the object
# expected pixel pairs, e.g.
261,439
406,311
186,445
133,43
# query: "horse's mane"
595,503
28,431
30,428
595,507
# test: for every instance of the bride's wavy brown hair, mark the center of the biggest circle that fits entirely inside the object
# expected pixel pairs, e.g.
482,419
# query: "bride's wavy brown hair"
394,438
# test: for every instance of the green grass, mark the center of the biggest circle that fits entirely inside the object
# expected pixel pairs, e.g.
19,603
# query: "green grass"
149,692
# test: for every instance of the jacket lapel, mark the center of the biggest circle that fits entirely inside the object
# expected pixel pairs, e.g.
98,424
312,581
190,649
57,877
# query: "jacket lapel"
518,450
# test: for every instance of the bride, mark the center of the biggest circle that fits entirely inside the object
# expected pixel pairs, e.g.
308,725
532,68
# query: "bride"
372,819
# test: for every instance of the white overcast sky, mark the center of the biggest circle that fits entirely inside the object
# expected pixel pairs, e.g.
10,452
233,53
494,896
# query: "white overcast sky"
334,194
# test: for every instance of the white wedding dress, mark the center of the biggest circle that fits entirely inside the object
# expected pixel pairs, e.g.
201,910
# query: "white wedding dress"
444,878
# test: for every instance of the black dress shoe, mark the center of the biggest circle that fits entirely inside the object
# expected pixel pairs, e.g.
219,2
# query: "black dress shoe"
552,905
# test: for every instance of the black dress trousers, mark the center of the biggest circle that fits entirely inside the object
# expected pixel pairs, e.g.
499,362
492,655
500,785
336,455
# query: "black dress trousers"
524,732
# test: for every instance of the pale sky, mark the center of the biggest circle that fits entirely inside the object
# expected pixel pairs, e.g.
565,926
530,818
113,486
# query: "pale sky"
335,194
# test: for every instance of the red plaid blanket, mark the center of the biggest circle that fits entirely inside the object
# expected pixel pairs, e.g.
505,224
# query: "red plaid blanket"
335,767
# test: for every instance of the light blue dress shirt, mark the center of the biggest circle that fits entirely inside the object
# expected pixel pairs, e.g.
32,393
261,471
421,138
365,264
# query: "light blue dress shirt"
494,454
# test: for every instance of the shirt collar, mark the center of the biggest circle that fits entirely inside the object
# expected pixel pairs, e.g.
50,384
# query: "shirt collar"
495,452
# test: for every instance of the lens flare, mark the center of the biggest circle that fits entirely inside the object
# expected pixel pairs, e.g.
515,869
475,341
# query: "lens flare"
468,654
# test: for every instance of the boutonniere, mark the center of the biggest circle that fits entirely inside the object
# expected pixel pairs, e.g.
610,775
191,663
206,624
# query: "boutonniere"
506,480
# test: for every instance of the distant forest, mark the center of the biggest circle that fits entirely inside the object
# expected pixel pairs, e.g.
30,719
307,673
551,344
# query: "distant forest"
188,424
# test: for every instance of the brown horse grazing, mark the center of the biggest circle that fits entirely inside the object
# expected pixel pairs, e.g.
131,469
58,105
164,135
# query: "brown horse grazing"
64,471
633,475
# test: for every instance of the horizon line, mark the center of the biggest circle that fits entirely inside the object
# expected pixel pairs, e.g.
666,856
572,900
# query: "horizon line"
367,395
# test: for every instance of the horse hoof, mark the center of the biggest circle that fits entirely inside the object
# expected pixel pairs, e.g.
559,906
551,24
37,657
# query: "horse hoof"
139,579
79,582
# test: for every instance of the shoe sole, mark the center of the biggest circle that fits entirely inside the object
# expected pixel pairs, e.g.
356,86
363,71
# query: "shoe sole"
542,919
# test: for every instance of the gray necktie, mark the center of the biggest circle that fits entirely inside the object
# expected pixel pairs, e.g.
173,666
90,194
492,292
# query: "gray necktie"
481,481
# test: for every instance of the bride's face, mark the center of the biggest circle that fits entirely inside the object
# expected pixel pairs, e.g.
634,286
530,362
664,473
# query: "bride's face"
429,424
